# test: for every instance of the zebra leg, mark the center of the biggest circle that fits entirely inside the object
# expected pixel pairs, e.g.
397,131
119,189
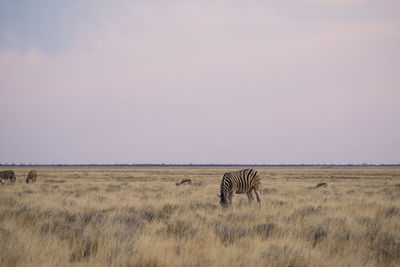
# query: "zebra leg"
250,197
258,193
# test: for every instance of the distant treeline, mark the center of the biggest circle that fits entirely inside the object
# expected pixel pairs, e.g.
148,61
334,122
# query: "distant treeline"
202,165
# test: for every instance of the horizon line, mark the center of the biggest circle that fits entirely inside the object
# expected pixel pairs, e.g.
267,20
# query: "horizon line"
202,165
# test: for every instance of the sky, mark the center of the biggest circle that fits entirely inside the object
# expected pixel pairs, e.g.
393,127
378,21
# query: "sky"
201,82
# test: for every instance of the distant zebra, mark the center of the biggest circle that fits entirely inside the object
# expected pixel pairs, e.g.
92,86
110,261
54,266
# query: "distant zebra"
7,175
31,177
184,181
243,181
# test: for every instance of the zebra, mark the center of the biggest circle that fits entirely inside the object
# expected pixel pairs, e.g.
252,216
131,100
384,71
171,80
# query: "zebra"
31,177
7,175
243,181
184,181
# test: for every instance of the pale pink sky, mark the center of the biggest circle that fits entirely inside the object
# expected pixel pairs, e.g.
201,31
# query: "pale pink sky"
251,82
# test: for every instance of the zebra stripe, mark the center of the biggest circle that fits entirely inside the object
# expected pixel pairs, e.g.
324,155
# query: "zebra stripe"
239,182
7,175
31,176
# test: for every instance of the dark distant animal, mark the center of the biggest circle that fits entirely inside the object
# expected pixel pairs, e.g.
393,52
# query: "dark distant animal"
239,182
184,181
7,175
31,177
321,185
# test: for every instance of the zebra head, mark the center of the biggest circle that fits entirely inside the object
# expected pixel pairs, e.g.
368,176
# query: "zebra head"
223,201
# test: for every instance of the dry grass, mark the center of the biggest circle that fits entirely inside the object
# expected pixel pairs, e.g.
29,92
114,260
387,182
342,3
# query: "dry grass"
138,217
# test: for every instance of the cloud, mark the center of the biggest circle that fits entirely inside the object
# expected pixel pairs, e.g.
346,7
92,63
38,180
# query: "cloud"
226,82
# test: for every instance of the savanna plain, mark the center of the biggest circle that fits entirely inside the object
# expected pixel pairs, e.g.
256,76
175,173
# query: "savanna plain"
131,216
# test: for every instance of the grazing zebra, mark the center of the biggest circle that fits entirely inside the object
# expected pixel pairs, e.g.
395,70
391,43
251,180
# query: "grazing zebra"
31,177
184,181
240,182
7,175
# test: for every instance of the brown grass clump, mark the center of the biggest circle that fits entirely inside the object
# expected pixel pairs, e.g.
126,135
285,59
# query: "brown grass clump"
138,217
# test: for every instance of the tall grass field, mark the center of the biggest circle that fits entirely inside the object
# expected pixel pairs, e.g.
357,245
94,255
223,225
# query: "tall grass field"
131,216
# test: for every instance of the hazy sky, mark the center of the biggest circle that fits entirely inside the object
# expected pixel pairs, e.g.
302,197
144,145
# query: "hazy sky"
300,81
